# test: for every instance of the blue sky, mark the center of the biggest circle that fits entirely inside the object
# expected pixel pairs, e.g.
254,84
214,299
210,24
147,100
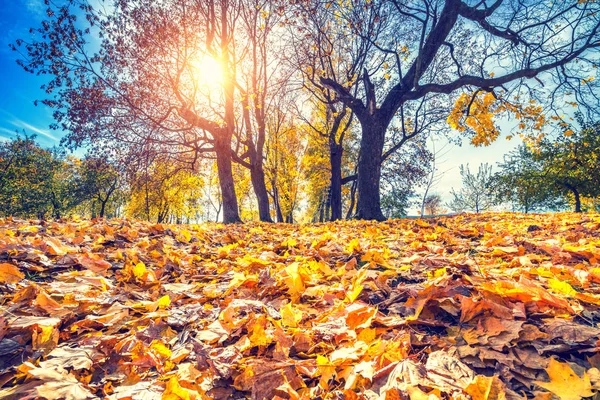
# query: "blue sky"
19,90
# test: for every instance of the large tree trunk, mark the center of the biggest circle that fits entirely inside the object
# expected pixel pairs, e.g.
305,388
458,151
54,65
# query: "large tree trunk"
224,167
369,171
335,157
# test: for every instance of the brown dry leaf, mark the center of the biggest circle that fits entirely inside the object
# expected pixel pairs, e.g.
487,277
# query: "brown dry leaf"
55,384
447,371
23,322
288,311
407,373
69,358
96,265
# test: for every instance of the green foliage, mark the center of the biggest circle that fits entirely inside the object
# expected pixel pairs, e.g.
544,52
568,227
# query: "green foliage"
394,203
35,182
101,183
523,182
572,162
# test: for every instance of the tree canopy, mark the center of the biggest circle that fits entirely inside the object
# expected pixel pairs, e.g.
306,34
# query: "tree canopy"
203,82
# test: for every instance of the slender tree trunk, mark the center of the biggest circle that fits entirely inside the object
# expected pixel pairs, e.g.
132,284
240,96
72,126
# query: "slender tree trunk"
335,157
225,170
257,176
102,208
369,171
223,139
352,200
576,195
277,204
322,209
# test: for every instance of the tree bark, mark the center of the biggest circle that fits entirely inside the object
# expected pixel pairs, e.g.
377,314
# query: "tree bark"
102,208
277,204
224,167
257,176
577,201
576,195
369,171
335,158
322,209
352,200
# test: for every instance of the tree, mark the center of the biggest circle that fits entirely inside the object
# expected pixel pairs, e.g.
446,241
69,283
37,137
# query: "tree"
433,204
101,182
571,162
402,174
284,168
314,45
35,182
523,183
434,49
164,193
187,78
476,193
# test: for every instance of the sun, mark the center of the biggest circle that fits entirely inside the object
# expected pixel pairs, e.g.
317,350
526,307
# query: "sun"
208,72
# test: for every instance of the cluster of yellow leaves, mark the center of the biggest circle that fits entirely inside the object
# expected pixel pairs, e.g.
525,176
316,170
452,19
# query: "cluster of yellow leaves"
492,306
478,113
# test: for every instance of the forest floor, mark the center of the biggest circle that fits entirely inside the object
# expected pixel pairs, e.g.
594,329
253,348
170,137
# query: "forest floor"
491,306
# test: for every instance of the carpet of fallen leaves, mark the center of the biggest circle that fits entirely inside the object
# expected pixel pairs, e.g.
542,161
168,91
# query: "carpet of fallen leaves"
492,306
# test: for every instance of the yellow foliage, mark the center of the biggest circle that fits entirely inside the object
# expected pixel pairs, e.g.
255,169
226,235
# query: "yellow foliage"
478,112
565,383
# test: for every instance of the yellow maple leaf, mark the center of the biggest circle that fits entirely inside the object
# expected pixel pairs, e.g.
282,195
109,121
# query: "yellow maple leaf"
326,369
561,287
10,273
139,270
163,302
294,280
160,348
290,316
45,338
259,336
486,388
174,391
565,383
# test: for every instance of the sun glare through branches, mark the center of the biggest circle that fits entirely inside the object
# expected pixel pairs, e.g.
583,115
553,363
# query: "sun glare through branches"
208,73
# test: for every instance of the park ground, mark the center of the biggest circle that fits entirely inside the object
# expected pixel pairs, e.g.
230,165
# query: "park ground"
489,306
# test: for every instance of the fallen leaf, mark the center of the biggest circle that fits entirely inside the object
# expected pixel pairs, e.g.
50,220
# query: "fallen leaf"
10,273
565,383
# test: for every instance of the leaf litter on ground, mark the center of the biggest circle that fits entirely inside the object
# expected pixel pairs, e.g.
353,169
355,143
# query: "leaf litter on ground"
490,306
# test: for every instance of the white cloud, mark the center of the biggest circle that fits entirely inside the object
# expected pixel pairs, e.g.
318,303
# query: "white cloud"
26,126
35,7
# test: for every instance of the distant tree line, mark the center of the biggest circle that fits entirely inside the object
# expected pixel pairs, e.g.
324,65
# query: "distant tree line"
554,175
47,183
